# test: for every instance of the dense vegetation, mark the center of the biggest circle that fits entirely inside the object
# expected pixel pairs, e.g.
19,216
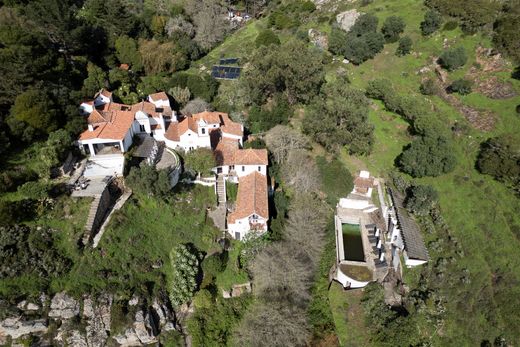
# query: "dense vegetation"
391,113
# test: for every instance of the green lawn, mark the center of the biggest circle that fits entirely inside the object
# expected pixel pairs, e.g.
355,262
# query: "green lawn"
348,316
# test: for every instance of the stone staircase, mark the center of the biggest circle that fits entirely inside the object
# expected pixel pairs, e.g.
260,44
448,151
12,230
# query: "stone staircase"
220,188
96,214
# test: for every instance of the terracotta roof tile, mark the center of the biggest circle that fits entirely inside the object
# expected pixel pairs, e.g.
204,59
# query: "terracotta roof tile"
176,129
115,129
251,197
225,151
233,128
251,157
159,96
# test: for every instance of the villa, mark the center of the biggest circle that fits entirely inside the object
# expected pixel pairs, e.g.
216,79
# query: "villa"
112,128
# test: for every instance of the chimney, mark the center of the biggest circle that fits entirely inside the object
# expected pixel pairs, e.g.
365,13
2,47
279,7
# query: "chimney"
90,127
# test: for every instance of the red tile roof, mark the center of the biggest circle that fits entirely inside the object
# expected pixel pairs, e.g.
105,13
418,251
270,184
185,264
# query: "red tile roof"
232,128
225,151
103,92
212,117
251,157
146,107
361,184
159,96
251,197
176,129
114,128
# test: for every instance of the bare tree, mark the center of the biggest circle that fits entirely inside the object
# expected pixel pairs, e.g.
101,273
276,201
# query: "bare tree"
179,24
195,106
274,325
160,57
281,139
300,171
211,24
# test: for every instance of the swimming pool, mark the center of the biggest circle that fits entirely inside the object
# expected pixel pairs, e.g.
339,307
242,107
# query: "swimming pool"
352,242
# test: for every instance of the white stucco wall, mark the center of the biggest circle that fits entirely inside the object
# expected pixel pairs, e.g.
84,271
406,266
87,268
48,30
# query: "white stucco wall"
242,226
234,137
244,170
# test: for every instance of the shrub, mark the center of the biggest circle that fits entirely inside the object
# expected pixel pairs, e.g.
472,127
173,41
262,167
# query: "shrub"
267,37
451,25
36,190
428,87
428,156
308,6
461,86
405,46
453,58
185,264
392,27
420,199
431,23
500,158
10,180
215,264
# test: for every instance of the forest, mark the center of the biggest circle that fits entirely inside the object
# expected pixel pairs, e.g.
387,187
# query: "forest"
422,93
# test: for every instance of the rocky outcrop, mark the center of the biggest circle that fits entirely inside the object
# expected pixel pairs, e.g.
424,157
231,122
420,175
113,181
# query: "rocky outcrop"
318,38
16,327
347,19
97,316
141,332
63,307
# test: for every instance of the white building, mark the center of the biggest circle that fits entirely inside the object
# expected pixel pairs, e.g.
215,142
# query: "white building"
252,207
235,162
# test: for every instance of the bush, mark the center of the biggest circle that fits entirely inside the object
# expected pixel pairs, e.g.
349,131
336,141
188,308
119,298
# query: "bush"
37,190
431,23
308,6
420,199
428,156
10,180
185,264
215,264
461,86
453,58
500,158
267,37
405,46
451,25
428,87
13,212
261,120
146,180
392,27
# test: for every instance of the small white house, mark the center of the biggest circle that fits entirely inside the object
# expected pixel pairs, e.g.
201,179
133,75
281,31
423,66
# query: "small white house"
252,208
363,184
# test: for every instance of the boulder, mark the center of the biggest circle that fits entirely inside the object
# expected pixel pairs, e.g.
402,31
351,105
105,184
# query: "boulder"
63,306
15,327
318,38
138,335
347,19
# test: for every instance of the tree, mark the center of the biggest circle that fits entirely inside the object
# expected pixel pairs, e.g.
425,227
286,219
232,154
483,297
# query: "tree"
428,87
211,25
196,105
127,52
453,58
301,171
340,118
266,38
185,265
179,24
461,86
280,325
275,71
37,190
500,157
420,199
148,181
180,95
263,119
52,153
161,57
95,80
282,139
431,23
405,46
507,36
428,156
36,108
200,160
392,27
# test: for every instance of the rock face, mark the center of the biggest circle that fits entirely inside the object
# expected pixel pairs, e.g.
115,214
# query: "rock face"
15,327
63,306
347,19
318,38
140,334
97,316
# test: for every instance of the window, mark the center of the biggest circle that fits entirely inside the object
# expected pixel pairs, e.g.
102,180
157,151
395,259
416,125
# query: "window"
141,128
237,235
203,130
259,169
243,168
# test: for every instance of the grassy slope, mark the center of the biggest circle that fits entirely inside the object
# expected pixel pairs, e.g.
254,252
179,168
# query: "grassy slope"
480,212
